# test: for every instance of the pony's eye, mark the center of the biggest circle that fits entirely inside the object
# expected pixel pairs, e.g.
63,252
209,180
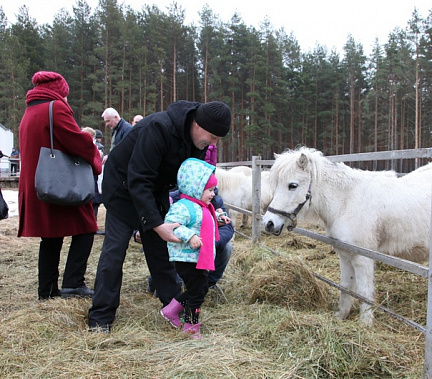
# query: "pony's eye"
292,186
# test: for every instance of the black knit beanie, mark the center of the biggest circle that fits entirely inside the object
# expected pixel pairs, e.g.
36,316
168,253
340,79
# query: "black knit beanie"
215,117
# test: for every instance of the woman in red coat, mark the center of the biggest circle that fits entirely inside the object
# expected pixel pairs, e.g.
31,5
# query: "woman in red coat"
48,221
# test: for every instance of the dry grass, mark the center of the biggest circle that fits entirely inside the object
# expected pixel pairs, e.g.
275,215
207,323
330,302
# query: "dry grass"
275,321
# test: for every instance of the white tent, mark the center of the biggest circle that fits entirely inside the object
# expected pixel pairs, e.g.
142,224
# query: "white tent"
6,144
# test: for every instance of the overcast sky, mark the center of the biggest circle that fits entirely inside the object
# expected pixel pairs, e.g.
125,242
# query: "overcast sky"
315,21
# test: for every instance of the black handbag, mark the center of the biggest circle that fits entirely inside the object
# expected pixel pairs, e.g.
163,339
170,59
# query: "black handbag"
63,179
4,209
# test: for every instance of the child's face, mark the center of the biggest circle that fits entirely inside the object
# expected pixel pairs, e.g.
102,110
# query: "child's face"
207,195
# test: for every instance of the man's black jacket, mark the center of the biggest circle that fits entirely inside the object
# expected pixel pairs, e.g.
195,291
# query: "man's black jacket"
142,168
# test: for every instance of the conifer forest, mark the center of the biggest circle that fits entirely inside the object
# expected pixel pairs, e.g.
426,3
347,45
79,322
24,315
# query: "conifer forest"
138,62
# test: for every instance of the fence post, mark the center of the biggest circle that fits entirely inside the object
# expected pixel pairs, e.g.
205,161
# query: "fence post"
256,200
428,334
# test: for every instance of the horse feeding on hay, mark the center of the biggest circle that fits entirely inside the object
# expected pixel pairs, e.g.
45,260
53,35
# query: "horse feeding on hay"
374,210
235,188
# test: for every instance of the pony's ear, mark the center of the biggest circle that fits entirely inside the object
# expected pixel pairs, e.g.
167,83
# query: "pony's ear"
276,155
302,161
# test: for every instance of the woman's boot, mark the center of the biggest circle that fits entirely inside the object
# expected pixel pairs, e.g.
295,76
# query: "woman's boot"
171,313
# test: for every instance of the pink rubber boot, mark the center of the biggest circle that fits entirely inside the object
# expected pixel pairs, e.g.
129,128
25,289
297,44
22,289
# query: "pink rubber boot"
171,313
193,330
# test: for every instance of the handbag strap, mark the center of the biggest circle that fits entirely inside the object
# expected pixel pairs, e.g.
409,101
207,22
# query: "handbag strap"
51,126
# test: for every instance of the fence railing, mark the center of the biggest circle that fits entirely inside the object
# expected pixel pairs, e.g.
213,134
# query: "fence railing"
257,164
10,166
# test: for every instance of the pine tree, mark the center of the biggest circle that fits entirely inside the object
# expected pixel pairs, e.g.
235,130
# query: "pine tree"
87,107
14,77
354,66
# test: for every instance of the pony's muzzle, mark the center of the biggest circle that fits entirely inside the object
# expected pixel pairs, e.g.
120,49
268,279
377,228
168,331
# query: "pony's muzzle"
269,227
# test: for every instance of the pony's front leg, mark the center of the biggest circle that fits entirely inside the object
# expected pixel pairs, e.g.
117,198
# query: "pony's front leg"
364,272
233,216
245,219
347,280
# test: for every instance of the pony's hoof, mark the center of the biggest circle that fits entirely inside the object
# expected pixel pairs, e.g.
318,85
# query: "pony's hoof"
367,320
341,315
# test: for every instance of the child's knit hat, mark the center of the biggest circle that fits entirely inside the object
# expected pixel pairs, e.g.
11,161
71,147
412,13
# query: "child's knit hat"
212,182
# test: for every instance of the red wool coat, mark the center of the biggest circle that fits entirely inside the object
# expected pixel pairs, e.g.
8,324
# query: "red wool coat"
37,218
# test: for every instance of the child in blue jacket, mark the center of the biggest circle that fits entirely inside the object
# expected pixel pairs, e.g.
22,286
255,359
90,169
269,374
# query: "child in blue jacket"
198,231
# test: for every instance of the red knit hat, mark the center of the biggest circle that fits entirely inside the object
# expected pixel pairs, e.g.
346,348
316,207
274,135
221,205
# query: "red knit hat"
212,182
51,80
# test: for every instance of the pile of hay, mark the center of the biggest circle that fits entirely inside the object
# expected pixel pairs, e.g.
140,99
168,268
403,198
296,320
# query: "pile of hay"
288,282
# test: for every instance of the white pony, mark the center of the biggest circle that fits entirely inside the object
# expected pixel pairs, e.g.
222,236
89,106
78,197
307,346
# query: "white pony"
243,169
235,187
248,172
374,210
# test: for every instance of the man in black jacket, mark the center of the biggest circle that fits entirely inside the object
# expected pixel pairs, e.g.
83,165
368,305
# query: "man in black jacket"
137,178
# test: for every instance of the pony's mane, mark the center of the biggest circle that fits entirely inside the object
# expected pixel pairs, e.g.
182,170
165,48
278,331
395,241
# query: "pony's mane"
335,171
284,163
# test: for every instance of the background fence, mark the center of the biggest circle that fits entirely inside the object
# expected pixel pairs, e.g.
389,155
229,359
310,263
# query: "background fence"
392,160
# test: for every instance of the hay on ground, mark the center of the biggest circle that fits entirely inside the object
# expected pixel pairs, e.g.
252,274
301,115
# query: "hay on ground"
274,320
288,282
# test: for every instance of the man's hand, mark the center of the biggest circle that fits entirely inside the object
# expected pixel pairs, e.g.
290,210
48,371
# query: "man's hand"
138,237
165,232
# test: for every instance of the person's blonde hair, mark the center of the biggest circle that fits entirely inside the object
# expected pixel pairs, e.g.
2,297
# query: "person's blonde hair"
89,130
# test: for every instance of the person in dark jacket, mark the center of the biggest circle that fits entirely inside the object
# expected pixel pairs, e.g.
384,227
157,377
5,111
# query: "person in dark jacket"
98,141
14,161
97,201
224,246
135,191
119,127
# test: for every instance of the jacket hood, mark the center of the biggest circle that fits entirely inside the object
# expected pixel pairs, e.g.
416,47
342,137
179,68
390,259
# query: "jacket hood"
180,111
193,176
